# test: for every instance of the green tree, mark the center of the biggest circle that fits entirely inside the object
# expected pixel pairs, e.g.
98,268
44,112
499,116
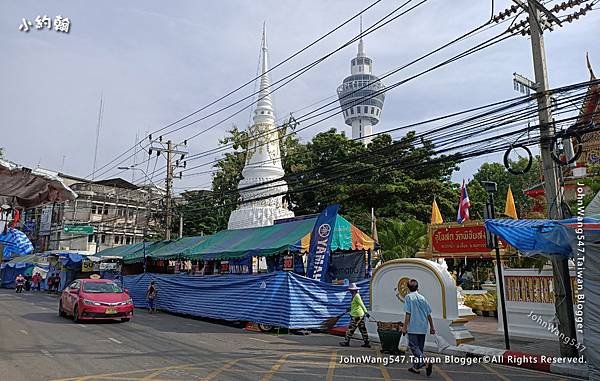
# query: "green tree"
397,178
400,239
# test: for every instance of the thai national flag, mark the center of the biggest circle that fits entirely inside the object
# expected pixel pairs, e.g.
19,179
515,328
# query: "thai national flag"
464,205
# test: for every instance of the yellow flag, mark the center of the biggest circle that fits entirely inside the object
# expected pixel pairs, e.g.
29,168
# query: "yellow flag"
510,209
436,216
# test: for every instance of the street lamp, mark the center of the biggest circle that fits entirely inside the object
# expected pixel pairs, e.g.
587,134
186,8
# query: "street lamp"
492,242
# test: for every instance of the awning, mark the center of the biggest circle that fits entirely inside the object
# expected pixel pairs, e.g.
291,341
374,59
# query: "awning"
27,188
177,248
120,251
269,240
544,237
138,255
26,260
291,236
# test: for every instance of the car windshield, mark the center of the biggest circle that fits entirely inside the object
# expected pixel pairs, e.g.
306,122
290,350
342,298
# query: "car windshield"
101,287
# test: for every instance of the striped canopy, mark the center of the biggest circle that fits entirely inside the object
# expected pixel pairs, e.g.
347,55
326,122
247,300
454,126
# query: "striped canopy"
15,242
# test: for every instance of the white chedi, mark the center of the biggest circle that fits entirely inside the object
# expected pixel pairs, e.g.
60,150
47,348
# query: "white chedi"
261,188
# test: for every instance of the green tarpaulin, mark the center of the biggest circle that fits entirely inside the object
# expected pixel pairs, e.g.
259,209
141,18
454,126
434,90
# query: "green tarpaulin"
261,241
121,251
178,247
257,242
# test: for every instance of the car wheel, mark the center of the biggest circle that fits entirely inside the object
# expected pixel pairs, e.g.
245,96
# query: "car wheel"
61,312
76,314
265,327
125,320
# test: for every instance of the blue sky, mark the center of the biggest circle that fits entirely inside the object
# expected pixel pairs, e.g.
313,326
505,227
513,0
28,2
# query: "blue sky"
155,63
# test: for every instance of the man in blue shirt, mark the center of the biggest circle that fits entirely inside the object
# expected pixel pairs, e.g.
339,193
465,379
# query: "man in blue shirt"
417,315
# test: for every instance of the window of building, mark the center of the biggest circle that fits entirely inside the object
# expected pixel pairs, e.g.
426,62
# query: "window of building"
91,238
377,112
118,239
127,240
105,209
373,110
366,110
352,110
102,238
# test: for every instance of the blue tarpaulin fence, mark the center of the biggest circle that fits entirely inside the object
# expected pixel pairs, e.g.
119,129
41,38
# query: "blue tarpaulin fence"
282,299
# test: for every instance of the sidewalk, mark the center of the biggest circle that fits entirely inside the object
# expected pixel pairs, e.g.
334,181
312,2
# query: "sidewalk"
489,342
485,331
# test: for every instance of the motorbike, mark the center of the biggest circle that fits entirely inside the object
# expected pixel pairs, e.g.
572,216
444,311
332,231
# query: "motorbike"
20,286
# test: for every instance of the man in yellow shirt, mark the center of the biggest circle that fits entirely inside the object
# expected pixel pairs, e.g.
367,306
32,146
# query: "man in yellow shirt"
358,311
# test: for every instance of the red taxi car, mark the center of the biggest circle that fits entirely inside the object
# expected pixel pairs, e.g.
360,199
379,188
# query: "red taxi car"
87,299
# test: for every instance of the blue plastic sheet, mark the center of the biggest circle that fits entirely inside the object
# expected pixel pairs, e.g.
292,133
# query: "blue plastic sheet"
15,242
282,299
545,237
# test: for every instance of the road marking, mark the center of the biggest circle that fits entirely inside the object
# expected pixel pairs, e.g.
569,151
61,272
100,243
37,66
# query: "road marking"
24,332
255,339
115,340
494,371
275,368
46,353
81,325
216,372
383,369
442,373
331,367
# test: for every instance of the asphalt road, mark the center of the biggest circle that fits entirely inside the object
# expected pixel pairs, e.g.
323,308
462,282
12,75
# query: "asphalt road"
36,344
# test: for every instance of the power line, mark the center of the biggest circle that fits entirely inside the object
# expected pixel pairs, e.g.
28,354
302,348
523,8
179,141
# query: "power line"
246,83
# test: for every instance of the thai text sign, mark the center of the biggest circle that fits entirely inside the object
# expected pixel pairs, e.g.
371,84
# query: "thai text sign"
456,238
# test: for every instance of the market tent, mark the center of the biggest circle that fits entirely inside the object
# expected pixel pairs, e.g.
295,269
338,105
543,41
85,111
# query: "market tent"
120,251
26,265
144,249
291,236
543,237
31,258
177,248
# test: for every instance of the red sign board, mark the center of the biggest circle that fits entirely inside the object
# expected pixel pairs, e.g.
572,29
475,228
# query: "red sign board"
454,238
288,263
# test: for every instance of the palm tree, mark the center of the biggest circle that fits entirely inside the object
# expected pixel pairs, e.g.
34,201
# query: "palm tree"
401,239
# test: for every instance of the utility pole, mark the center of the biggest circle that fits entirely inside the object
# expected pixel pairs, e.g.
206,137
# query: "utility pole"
169,187
169,150
181,226
552,187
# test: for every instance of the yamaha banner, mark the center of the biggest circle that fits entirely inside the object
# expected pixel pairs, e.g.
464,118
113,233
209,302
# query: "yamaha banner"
320,244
